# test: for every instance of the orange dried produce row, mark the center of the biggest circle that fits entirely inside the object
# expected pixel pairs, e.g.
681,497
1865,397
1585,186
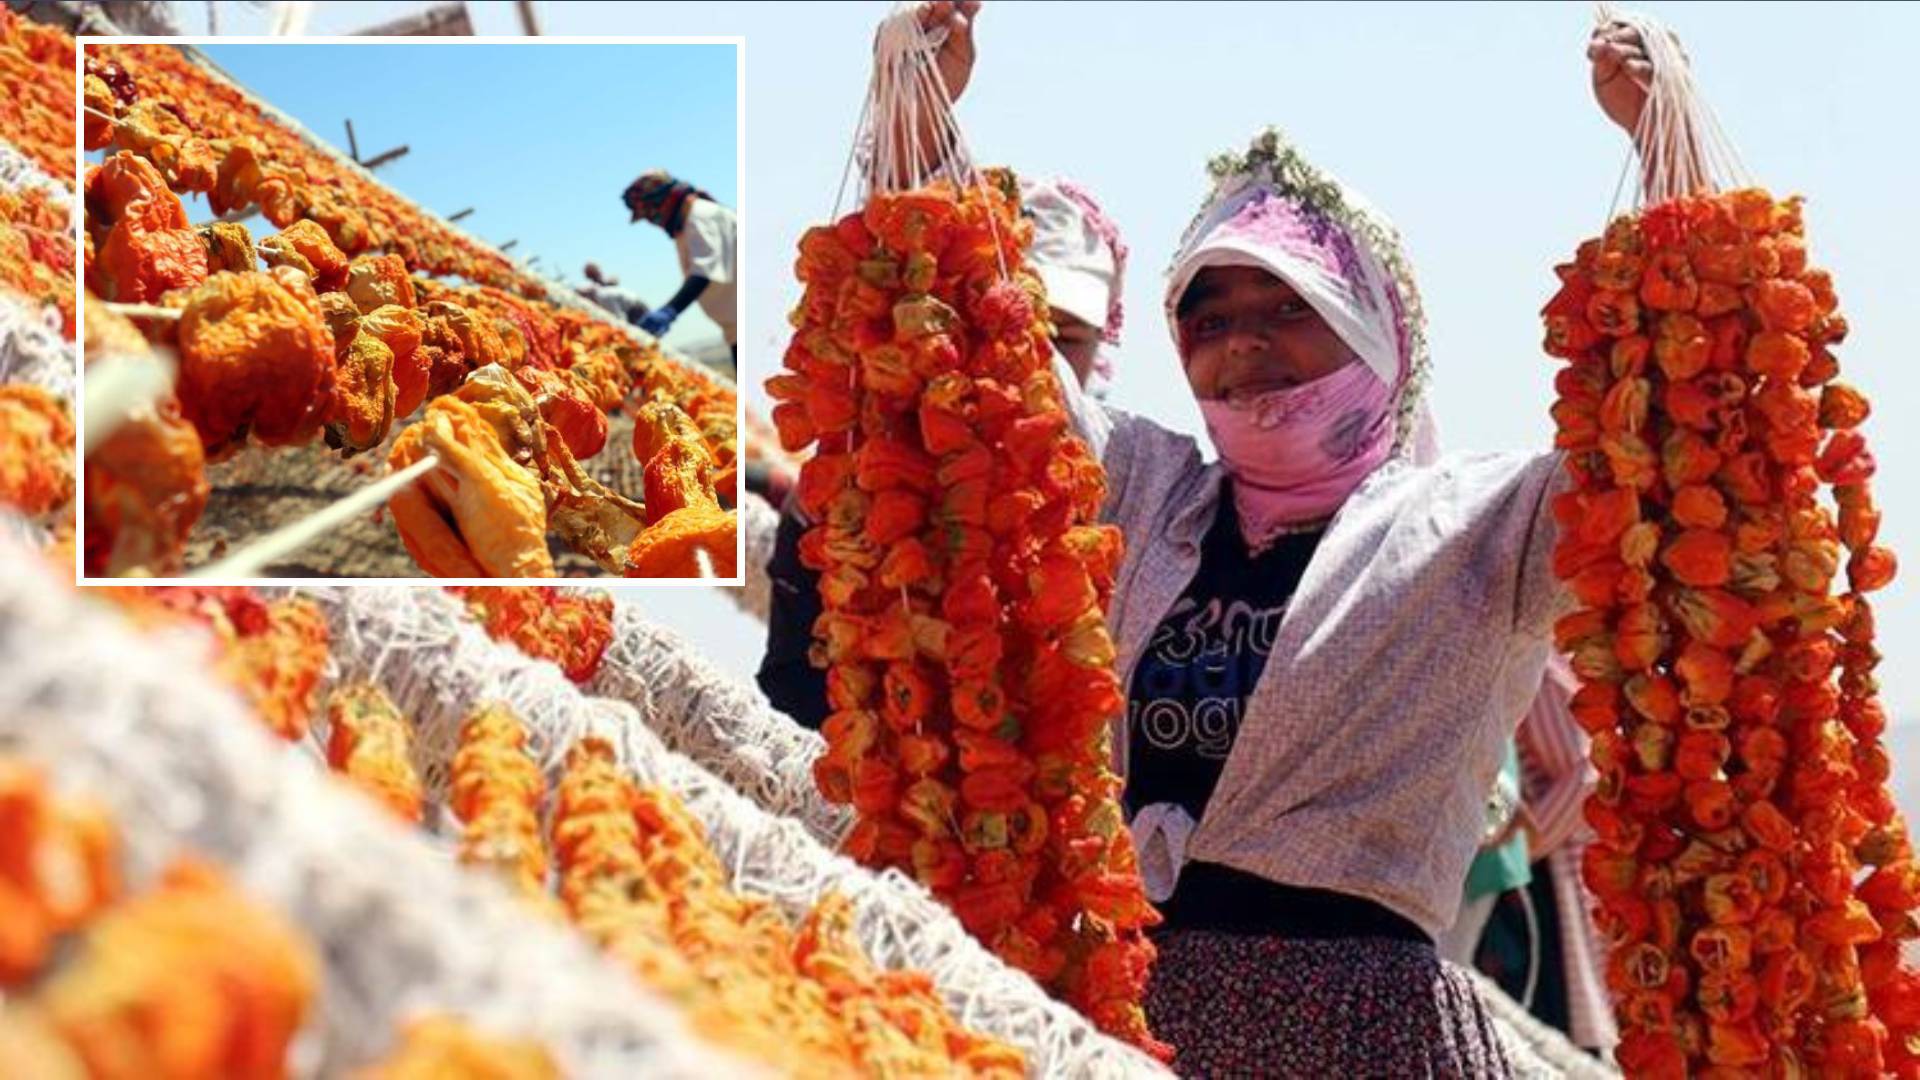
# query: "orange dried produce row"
189,979
59,867
637,875
1754,879
36,251
36,450
738,947
446,1048
266,358
823,990
147,482
963,580
684,519
370,743
569,627
272,652
36,113
339,339
896,1018
496,790
218,140
190,152
602,878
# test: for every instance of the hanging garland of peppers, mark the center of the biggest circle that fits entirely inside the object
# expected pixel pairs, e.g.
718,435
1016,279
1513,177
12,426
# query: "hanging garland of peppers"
1754,879
969,667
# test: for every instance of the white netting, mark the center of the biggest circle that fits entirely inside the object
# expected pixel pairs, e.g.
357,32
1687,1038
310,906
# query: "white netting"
1679,140
32,349
759,521
1548,1052
18,171
420,646
402,929
725,726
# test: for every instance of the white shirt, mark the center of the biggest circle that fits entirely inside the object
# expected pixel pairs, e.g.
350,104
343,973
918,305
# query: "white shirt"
706,246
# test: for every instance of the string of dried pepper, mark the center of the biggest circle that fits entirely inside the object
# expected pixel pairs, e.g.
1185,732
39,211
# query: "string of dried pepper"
969,667
370,743
638,876
496,789
570,627
1753,877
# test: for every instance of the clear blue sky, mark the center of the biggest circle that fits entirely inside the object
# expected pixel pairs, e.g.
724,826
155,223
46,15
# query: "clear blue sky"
1470,124
540,140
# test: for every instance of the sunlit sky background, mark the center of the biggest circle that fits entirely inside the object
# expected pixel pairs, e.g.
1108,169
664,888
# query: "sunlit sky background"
1470,124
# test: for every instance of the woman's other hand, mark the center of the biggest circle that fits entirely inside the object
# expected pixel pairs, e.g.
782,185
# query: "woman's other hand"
1622,73
955,59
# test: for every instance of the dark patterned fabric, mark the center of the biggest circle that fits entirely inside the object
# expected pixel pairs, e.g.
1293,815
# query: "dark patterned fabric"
1240,1006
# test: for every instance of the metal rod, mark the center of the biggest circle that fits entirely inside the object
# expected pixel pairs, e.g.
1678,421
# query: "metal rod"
460,214
529,19
292,537
353,144
378,160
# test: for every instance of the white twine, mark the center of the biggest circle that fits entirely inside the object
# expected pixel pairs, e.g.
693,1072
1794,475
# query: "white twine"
905,93
121,387
143,311
32,349
725,726
17,171
402,929
1681,144
438,665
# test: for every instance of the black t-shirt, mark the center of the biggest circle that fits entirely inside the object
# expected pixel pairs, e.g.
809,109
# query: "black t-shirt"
1189,692
786,676
1193,679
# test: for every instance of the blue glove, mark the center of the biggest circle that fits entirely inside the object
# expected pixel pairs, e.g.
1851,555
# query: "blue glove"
657,321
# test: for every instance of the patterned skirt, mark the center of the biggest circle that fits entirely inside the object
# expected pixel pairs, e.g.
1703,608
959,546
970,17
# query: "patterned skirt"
1240,1005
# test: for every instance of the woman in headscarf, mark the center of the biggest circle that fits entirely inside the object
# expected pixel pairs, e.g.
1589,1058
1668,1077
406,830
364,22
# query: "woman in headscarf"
703,234
1078,254
1326,637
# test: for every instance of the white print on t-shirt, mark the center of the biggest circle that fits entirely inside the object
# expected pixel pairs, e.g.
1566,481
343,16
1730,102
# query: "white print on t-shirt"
1198,673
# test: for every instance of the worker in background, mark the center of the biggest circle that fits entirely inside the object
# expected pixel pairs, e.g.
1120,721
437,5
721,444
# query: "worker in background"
604,289
703,231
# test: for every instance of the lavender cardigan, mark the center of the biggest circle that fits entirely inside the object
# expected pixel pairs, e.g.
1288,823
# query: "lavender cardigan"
1413,646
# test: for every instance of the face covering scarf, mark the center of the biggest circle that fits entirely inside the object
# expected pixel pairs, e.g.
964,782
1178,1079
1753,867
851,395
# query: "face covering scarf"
1296,454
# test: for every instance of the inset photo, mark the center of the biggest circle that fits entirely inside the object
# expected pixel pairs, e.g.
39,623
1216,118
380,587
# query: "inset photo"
396,308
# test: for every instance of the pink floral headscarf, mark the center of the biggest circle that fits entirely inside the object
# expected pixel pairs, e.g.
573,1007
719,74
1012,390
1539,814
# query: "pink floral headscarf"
1271,210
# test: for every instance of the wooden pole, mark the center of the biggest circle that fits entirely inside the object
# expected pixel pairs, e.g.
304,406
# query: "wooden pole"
529,19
